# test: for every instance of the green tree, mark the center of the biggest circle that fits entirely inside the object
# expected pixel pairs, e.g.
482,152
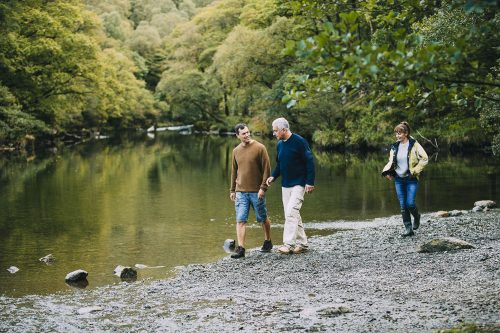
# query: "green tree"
15,124
191,96
392,60
47,57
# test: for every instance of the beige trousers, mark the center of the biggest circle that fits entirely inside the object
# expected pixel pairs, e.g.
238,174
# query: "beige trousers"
293,233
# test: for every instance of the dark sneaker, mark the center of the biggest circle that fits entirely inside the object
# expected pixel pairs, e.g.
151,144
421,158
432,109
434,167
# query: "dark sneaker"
267,246
240,252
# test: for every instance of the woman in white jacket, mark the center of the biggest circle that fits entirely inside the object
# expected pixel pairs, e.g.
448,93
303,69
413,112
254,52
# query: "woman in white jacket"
407,159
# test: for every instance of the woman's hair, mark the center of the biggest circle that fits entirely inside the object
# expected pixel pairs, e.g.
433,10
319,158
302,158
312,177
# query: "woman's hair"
281,123
403,127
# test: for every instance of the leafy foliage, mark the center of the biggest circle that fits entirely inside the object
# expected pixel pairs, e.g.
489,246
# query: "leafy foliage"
343,72
427,63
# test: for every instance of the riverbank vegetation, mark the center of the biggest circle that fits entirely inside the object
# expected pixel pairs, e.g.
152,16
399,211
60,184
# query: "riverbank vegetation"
343,72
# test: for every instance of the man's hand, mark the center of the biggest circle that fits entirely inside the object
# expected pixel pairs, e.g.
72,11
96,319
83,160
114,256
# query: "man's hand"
261,194
309,188
232,196
389,177
269,181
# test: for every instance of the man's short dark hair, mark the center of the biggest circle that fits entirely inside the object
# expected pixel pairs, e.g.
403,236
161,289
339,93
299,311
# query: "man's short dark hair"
239,127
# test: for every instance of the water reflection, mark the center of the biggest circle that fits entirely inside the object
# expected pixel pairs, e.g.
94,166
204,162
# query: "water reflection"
81,284
164,202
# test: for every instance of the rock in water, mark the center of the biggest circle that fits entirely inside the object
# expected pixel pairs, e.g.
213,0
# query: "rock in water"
49,258
78,275
229,245
444,244
125,272
13,269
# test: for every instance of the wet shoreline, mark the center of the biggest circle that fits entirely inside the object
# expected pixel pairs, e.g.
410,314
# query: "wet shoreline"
364,279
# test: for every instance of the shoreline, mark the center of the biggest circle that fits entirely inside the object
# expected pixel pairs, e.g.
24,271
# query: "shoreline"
363,279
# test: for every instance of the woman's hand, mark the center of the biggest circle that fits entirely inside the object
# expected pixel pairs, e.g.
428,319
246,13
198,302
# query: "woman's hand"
389,177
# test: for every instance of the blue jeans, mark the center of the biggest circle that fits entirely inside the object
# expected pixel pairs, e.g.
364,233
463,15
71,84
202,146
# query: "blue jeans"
242,205
406,190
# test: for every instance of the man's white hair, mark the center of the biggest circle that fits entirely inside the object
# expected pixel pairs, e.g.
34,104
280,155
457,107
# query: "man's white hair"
281,123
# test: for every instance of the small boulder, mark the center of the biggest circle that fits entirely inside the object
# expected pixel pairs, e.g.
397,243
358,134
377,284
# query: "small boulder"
444,244
229,245
455,212
13,269
78,275
441,213
125,272
477,209
485,204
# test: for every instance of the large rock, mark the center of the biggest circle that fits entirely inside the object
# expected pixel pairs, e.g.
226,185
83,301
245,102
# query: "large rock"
125,272
229,245
444,244
75,276
485,203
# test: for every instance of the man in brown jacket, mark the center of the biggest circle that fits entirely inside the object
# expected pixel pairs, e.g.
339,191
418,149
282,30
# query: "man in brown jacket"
249,172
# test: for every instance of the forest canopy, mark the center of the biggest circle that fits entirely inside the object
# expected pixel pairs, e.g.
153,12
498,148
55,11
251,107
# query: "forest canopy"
343,72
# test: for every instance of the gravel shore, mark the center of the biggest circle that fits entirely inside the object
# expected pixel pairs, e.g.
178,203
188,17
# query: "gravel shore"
362,278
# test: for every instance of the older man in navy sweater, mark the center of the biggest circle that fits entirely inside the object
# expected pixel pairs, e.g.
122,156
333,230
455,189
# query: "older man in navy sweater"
295,165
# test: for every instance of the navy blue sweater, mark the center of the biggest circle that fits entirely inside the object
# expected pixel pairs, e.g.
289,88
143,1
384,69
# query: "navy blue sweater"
294,162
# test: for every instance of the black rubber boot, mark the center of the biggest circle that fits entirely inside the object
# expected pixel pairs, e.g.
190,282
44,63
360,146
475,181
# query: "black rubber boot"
416,217
407,222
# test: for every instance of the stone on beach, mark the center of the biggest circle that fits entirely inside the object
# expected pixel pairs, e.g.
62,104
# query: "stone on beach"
485,204
78,275
444,244
88,309
442,213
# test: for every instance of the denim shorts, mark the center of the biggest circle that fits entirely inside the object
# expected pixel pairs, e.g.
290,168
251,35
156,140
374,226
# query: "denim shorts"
242,205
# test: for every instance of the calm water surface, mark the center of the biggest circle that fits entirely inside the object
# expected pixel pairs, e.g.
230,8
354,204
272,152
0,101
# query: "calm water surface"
164,202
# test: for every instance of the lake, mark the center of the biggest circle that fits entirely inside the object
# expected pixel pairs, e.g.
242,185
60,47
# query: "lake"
164,201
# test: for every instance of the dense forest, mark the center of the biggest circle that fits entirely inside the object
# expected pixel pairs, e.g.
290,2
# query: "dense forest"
344,72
